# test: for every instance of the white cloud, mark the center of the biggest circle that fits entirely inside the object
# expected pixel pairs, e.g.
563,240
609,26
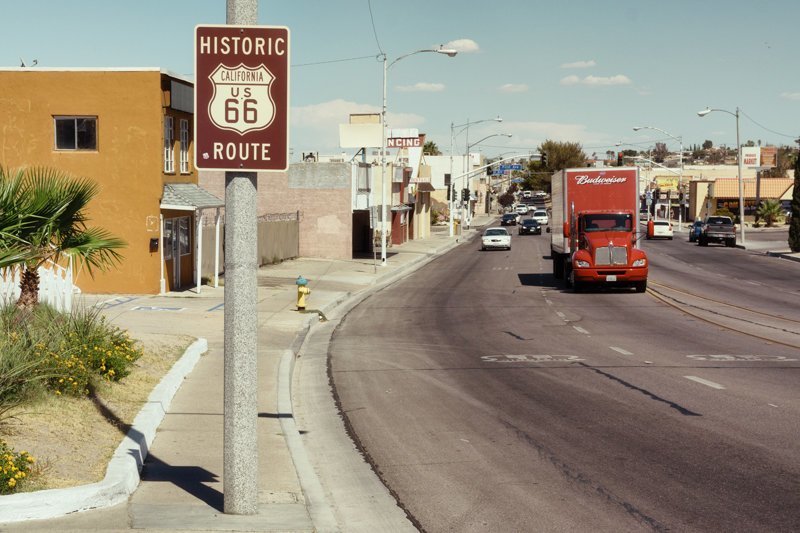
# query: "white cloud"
619,79
514,88
422,87
580,64
316,126
464,46
791,96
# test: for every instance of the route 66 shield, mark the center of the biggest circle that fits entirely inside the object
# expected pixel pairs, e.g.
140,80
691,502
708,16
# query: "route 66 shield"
242,101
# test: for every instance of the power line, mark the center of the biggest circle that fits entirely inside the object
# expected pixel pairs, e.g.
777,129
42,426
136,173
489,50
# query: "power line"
766,128
332,61
374,31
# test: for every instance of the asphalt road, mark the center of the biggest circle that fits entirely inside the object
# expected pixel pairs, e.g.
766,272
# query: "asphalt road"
488,398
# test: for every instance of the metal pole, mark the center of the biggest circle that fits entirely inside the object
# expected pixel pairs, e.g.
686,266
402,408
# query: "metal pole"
680,188
452,185
741,185
383,168
240,447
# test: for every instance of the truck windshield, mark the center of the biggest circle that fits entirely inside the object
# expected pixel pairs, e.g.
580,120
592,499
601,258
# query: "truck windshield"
608,222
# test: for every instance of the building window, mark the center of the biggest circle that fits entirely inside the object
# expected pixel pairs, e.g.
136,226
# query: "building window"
184,146
76,133
169,156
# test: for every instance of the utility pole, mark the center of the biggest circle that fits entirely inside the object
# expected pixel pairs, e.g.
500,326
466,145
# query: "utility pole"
240,441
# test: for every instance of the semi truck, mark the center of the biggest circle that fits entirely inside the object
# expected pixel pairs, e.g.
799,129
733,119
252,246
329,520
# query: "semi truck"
594,228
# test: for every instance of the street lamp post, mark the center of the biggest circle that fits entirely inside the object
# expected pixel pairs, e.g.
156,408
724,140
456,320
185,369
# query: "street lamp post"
705,112
465,127
384,199
467,171
680,176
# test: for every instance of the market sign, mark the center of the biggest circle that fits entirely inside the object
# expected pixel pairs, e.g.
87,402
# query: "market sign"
241,109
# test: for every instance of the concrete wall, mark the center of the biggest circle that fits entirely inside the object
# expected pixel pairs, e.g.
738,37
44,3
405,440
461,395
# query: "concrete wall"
321,192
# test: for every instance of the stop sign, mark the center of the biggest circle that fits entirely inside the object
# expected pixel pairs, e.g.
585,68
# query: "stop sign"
241,104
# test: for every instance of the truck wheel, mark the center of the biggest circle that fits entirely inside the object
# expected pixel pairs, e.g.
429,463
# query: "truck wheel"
568,275
640,286
702,241
730,243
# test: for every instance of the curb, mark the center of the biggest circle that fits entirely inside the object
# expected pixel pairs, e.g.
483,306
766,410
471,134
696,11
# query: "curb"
122,473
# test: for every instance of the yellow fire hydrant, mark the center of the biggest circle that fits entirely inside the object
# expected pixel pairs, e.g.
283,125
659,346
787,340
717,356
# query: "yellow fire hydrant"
302,292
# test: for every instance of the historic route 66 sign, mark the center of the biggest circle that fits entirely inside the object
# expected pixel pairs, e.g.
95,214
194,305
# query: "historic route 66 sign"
242,101
241,106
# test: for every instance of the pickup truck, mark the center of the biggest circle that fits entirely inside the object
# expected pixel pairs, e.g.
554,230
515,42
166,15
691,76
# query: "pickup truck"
718,229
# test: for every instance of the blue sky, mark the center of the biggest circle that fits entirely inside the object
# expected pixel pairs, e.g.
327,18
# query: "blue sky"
572,70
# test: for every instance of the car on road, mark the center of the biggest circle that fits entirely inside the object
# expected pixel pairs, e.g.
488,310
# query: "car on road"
496,238
509,219
522,209
659,229
529,226
695,230
540,216
718,229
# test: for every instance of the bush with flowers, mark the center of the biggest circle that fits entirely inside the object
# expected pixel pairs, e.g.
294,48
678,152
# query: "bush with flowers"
15,468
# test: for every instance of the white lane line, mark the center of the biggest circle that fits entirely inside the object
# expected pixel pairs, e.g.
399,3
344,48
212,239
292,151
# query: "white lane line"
561,315
705,382
772,405
548,302
580,330
620,350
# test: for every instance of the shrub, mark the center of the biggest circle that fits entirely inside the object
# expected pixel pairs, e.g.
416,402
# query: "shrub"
14,468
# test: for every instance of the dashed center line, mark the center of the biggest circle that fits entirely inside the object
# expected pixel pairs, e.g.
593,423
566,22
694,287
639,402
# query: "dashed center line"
620,350
561,315
580,330
705,382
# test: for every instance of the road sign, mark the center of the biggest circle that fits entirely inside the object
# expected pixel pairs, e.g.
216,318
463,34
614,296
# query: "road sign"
241,104
510,167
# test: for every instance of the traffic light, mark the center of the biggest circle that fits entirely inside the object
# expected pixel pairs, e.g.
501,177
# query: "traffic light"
619,158
544,159
464,195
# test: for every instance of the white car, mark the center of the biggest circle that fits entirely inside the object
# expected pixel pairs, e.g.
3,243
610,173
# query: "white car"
496,238
662,229
540,216
522,209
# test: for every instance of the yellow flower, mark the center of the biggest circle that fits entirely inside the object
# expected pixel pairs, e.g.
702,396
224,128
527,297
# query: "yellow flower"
12,482
30,459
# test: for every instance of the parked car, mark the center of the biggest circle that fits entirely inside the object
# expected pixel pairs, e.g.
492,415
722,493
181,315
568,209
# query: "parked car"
540,216
659,229
496,238
531,226
695,230
522,209
509,219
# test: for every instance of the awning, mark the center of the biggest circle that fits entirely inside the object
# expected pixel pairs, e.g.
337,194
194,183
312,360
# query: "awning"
425,186
188,197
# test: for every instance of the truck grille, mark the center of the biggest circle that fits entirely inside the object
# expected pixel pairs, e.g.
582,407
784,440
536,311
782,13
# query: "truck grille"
611,255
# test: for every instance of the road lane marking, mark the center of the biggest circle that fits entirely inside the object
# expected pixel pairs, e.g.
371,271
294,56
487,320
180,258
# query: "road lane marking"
727,357
561,315
549,302
705,382
530,358
580,330
620,350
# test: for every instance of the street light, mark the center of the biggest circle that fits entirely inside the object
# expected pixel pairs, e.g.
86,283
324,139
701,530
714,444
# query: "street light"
384,214
465,127
680,176
705,112
467,171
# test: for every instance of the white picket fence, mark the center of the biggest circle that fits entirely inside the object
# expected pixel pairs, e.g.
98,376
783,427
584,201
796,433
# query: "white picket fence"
55,286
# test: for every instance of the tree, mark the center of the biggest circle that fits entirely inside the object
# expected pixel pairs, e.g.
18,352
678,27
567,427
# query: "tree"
794,225
770,211
506,199
430,148
48,208
561,155
707,145
660,152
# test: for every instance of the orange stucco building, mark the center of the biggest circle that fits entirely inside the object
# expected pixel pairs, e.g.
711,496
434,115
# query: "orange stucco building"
131,131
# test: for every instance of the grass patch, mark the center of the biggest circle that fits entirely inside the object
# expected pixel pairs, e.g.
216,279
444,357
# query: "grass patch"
70,386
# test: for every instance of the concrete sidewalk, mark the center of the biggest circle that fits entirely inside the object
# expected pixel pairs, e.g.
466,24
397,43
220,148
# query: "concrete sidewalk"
181,441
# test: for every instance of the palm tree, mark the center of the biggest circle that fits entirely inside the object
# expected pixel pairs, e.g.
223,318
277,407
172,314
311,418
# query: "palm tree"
44,217
770,211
